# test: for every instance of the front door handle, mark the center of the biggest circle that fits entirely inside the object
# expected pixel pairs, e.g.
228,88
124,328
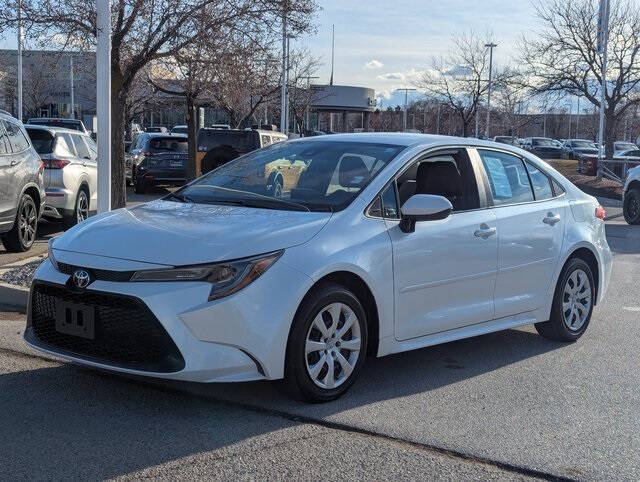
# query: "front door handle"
484,232
13,163
551,219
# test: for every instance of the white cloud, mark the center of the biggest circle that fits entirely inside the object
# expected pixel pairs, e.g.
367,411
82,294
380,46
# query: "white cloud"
391,76
374,64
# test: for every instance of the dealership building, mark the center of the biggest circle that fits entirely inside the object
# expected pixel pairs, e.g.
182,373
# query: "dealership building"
341,108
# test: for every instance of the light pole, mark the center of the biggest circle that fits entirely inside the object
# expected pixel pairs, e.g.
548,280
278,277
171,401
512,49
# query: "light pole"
603,40
19,60
578,120
283,94
103,103
406,94
73,101
490,46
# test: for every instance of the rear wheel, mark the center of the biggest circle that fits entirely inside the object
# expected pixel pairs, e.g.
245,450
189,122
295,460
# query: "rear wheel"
80,212
23,233
327,345
631,207
572,303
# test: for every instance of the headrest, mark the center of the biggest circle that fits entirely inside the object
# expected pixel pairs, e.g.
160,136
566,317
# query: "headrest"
353,171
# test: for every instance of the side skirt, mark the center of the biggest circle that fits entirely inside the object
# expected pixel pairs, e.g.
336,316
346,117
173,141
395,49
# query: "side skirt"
390,345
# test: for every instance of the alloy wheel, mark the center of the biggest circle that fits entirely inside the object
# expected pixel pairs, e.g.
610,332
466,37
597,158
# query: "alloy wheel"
633,207
576,300
333,345
82,209
28,222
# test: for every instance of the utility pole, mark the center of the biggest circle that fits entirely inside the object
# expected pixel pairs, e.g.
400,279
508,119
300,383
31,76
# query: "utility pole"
603,39
283,94
406,94
490,46
73,102
20,60
333,48
103,103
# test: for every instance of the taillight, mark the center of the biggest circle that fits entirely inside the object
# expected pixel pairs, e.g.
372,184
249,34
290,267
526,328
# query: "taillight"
600,213
55,163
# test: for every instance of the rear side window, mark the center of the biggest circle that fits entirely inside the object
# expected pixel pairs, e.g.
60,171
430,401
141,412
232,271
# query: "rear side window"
4,142
507,177
42,141
540,182
81,147
64,146
17,139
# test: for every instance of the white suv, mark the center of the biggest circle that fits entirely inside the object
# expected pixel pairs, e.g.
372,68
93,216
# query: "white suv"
631,196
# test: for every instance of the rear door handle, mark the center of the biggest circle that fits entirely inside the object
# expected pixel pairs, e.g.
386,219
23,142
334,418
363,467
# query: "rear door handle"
485,232
551,219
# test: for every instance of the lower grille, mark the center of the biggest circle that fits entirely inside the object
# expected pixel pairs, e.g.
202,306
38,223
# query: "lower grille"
127,334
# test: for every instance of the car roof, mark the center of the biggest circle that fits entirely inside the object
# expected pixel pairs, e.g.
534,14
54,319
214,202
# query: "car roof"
55,130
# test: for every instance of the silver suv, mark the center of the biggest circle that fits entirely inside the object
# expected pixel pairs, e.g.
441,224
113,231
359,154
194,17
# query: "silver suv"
21,186
70,172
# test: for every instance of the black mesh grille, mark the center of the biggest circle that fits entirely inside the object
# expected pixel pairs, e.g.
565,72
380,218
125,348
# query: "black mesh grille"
97,274
127,334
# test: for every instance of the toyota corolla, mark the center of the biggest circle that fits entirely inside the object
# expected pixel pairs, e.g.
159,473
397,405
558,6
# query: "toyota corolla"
299,260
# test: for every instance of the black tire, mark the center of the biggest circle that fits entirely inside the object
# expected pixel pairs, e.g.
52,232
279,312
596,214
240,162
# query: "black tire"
139,186
70,221
18,240
556,329
631,208
297,380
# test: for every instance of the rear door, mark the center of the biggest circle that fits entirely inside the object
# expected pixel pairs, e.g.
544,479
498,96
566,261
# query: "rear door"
530,220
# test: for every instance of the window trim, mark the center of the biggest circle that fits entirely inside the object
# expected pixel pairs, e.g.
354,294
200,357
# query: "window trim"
476,149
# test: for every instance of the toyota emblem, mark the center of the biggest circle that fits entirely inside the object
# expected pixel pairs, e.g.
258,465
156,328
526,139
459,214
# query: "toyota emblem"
81,278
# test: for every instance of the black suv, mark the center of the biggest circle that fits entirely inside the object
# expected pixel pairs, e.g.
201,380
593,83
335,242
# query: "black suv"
21,186
156,159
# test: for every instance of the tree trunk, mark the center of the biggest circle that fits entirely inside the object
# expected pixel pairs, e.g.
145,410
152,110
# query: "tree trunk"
192,128
118,120
610,125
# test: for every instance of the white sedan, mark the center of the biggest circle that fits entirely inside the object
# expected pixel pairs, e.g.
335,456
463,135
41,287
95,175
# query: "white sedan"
298,260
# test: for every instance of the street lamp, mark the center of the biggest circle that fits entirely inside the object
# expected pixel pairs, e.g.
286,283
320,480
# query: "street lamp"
490,46
406,92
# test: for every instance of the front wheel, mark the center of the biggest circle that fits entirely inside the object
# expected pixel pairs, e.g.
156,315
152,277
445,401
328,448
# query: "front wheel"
631,206
327,345
572,303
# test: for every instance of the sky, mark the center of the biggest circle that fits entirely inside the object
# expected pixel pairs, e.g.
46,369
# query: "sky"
384,44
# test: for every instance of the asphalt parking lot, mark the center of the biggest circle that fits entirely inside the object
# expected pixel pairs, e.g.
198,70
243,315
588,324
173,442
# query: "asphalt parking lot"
508,405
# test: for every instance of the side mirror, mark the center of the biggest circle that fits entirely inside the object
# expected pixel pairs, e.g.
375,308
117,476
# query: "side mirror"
423,207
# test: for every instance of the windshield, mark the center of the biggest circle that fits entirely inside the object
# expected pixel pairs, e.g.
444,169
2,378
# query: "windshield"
168,144
302,175
583,144
68,124
42,140
179,130
543,142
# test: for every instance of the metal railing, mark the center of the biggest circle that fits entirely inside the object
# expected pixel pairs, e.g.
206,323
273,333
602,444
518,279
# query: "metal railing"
616,170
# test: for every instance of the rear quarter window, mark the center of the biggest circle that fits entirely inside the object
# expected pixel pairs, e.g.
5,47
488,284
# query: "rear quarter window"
43,141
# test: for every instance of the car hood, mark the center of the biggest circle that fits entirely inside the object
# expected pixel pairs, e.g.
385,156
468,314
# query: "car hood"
171,233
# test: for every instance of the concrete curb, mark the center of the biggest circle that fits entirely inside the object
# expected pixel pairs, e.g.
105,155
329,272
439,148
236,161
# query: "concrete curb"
13,298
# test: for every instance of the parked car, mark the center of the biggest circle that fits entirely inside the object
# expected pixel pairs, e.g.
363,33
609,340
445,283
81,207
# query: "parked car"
511,140
157,130
631,196
156,159
73,124
220,126
620,146
180,129
21,186
579,148
542,147
237,282
218,146
70,173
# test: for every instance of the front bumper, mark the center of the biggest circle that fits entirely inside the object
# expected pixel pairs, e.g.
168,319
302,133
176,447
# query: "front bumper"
239,338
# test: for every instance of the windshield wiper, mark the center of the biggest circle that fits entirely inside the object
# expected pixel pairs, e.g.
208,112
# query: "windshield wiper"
180,197
267,199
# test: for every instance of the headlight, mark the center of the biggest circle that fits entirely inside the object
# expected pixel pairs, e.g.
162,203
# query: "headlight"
52,258
225,278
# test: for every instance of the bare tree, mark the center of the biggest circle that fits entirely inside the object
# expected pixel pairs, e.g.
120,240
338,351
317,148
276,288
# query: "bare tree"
144,31
460,79
302,95
563,57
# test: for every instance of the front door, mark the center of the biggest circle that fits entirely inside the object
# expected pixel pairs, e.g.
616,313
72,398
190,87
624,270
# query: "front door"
445,271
